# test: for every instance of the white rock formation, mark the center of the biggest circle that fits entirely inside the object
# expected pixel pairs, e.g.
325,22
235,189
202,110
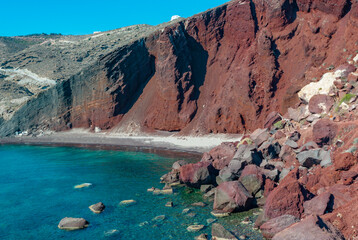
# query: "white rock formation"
323,86
175,17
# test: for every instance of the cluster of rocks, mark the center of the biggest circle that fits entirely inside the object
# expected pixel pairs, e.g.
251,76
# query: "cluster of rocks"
301,169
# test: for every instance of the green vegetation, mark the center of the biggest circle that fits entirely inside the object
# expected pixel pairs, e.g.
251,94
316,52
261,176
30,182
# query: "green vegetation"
346,98
247,140
279,124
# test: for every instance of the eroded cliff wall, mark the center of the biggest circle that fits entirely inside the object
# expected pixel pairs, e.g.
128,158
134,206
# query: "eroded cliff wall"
222,71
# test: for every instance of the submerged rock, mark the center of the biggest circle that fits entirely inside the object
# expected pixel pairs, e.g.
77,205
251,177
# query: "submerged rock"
83,185
127,202
195,228
70,224
218,232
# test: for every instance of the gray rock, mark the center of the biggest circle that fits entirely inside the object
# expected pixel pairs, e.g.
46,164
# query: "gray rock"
210,194
218,232
314,157
206,188
70,224
178,164
313,117
284,173
271,174
245,154
326,158
308,146
226,175
252,183
97,208
270,150
291,143
298,114
295,136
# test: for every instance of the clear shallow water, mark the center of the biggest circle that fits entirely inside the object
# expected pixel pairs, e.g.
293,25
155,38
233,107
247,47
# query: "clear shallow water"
36,192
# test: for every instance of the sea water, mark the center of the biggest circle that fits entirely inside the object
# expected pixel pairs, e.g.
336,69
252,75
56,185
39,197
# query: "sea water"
37,191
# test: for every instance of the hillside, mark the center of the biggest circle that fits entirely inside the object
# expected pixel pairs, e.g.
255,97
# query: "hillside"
221,71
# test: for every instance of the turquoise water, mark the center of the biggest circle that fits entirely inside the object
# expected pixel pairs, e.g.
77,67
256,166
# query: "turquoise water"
37,191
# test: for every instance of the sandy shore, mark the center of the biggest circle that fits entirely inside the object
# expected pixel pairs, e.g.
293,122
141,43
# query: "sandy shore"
166,141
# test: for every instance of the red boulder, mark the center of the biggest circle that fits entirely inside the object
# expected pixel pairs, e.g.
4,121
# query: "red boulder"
324,131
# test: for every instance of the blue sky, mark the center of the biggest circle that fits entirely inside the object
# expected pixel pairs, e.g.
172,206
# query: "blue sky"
20,17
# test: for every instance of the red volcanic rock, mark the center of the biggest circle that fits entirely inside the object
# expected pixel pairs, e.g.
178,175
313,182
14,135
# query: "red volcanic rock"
232,196
319,204
342,194
320,104
275,225
287,198
196,174
259,136
338,84
310,228
221,155
352,77
269,186
324,131
271,119
344,161
345,219
322,178
279,134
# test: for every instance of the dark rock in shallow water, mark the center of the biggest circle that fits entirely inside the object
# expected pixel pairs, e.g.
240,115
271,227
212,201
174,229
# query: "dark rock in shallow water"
70,224
252,179
218,232
232,196
196,174
206,188
97,208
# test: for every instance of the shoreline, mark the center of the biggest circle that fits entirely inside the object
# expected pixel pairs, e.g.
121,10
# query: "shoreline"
162,142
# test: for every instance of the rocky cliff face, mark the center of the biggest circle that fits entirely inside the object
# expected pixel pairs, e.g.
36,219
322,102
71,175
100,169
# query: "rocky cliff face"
221,71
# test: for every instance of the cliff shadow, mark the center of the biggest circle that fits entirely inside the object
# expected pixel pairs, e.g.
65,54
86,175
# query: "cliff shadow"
198,65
